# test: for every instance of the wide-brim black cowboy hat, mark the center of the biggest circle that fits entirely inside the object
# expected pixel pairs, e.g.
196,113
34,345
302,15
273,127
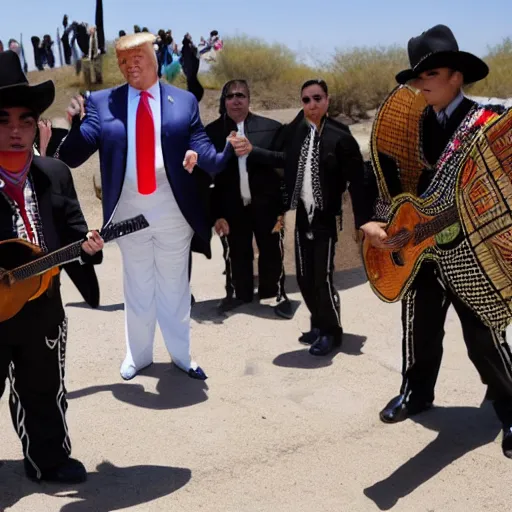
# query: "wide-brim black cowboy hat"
438,48
15,90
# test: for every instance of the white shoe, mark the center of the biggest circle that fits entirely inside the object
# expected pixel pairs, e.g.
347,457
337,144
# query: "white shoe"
128,371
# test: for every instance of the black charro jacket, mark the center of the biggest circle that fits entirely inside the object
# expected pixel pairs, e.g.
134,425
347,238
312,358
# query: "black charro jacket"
63,223
265,184
341,162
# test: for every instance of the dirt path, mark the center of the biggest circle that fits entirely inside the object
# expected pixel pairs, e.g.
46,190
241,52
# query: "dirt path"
273,429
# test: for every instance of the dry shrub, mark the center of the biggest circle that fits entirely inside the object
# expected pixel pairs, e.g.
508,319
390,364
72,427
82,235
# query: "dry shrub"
251,59
359,79
362,77
272,71
499,82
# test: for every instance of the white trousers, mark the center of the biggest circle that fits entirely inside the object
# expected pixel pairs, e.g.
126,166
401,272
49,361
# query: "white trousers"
155,274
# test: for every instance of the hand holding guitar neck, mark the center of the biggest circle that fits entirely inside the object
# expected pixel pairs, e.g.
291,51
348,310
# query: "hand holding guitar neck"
26,272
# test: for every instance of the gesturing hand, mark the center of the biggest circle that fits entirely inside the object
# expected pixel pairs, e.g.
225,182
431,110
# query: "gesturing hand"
76,107
93,244
222,227
190,160
241,145
45,134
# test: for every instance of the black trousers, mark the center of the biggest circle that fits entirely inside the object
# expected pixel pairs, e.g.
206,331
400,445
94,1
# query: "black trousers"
315,246
423,318
239,255
33,360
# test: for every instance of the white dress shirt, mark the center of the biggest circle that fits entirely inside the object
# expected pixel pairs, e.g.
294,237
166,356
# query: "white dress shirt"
245,191
156,109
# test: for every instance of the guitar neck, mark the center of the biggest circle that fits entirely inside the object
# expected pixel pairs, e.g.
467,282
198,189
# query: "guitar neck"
72,252
41,265
436,225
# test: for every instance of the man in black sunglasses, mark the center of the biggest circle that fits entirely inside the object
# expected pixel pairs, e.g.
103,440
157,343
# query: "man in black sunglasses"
247,202
319,156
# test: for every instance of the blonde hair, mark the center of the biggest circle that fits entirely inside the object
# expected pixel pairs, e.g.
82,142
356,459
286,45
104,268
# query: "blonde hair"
131,41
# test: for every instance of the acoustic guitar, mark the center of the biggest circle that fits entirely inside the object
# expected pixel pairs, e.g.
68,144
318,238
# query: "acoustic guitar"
410,232
20,284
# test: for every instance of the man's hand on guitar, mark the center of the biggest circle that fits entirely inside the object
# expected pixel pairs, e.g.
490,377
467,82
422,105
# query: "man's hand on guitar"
376,234
93,244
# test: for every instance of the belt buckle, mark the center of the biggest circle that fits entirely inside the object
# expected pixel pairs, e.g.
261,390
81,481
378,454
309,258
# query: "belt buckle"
309,235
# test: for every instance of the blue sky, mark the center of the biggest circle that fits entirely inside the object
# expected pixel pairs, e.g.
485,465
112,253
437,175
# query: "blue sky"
311,28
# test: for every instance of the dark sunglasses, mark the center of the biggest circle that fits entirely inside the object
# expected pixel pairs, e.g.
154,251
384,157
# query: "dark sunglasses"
239,95
317,98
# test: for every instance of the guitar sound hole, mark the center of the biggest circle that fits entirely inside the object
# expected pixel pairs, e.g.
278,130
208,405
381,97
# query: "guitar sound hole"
397,259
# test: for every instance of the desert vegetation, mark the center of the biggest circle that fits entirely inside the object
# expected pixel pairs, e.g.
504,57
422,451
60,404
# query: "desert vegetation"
359,78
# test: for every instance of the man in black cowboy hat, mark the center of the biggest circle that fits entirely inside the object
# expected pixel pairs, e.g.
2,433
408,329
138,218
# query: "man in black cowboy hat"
439,70
38,203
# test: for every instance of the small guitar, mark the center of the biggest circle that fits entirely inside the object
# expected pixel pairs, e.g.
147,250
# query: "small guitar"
21,284
410,233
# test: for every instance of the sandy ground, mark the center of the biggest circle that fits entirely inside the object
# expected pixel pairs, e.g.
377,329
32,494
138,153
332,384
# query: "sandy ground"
273,429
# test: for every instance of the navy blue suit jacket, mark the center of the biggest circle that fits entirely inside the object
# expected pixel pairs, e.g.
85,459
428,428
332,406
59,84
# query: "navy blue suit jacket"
104,128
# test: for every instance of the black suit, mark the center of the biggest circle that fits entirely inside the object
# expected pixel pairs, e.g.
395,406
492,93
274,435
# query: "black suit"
257,218
425,307
32,343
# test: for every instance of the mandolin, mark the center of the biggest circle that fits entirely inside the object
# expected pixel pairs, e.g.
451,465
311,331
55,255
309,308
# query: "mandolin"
20,284
411,233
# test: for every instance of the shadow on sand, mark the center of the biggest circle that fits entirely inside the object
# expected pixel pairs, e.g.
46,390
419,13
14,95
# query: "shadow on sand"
461,430
174,389
108,488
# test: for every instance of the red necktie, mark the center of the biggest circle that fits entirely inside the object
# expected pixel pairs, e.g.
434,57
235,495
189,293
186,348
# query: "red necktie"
145,146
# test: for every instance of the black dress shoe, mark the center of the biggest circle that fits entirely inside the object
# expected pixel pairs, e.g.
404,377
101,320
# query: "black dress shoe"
506,444
308,338
192,300
284,309
230,303
71,471
324,345
197,374
399,410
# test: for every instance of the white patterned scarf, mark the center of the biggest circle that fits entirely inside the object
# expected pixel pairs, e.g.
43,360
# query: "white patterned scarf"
307,185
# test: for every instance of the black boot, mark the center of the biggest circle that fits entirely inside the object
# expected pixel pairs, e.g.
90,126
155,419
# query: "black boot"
230,303
325,345
399,409
308,338
284,309
71,471
506,443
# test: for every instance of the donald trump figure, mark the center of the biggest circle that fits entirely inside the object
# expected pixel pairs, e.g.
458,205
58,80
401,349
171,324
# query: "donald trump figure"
150,137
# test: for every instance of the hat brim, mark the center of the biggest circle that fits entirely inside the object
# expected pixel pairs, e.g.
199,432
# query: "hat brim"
37,98
472,67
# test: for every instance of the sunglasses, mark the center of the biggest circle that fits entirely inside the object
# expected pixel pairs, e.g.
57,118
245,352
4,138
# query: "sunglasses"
239,95
317,98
